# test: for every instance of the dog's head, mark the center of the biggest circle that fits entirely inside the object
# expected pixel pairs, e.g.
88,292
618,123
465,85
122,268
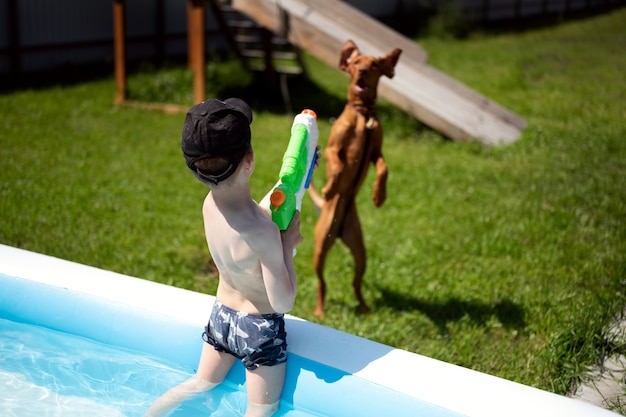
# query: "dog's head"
365,71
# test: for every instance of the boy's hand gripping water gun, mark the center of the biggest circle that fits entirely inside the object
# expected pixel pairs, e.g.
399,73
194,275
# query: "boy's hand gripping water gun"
295,173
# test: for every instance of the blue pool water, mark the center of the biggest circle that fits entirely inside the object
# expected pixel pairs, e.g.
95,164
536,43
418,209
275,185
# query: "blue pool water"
49,373
73,351
45,372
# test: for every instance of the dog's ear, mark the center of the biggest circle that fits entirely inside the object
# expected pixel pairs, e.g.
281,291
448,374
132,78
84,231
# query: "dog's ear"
389,62
349,51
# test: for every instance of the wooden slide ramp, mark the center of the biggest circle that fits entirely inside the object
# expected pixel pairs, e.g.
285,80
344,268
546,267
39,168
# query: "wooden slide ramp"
321,27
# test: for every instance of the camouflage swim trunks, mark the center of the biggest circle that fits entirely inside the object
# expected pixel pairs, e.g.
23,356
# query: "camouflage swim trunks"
256,339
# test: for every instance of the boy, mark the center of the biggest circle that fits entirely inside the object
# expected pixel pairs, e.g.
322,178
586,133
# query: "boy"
257,282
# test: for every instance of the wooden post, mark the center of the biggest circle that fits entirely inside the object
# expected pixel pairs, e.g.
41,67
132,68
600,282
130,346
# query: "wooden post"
195,39
119,45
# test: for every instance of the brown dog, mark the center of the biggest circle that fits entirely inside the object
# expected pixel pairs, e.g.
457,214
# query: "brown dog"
355,140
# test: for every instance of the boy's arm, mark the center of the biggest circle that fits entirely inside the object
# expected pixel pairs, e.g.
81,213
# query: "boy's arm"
275,250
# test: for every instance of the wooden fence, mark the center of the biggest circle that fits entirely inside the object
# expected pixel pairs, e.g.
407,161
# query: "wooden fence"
43,34
47,34
490,10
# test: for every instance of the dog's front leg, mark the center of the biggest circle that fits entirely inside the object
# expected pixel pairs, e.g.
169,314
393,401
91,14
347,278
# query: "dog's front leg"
380,185
334,168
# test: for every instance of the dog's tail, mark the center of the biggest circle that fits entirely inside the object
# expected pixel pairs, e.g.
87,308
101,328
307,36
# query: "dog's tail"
316,197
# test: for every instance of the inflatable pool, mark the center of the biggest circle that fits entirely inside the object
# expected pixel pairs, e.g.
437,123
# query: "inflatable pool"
330,373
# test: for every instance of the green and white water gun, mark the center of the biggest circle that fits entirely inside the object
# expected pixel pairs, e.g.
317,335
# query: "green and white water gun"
297,168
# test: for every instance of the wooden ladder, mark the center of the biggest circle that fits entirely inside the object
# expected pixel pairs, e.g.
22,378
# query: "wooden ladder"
258,48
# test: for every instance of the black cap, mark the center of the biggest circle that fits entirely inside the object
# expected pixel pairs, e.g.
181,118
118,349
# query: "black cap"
217,129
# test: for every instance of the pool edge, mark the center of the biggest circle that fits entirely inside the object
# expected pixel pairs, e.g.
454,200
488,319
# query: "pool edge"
451,387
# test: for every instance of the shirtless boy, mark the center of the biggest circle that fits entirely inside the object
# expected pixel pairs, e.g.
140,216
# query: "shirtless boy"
257,281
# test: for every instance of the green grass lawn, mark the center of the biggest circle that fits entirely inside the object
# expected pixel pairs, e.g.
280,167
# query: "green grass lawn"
507,260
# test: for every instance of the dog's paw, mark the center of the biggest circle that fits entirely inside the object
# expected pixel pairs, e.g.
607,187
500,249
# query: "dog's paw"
379,198
364,309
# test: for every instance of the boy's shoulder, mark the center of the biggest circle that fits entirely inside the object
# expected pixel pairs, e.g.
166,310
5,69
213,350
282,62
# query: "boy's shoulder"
262,224
262,232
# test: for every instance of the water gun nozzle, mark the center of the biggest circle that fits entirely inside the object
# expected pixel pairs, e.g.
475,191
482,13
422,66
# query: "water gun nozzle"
309,112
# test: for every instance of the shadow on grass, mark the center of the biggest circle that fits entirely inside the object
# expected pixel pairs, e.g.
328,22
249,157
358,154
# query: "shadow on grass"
300,93
443,312
172,83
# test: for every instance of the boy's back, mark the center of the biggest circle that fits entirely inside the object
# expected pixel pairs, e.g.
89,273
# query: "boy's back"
237,240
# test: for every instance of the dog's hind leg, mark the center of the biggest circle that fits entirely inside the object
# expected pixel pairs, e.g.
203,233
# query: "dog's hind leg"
321,285
352,236
319,261
325,236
